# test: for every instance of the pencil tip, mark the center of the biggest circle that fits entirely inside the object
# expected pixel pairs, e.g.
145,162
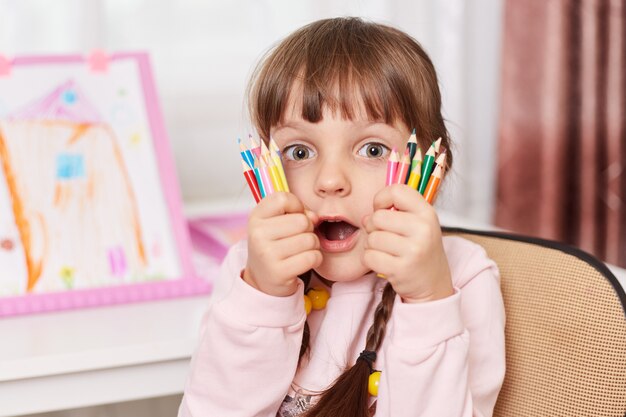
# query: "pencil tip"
413,132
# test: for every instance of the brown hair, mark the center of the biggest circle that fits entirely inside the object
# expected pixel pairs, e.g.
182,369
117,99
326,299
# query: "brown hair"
339,63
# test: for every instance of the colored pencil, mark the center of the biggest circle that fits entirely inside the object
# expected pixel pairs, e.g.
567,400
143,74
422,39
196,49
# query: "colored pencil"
255,147
259,179
417,160
265,152
403,167
275,175
274,147
392,166
245,153
265,177
437,145
427,168
416,174
277,158
248,173
441,159
433,184
412,144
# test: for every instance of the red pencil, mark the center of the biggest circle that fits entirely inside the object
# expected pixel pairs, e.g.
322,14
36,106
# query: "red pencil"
403,167
251,180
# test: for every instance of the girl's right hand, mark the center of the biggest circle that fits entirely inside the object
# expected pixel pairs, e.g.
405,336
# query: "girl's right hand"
281,244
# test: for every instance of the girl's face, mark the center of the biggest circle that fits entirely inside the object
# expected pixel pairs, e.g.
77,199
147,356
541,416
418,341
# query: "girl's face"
335,167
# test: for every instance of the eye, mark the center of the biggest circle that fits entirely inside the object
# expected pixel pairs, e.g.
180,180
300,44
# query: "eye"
374,150
298,152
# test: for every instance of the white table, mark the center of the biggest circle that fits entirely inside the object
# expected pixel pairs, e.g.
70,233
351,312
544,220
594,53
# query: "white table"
105,355
96,356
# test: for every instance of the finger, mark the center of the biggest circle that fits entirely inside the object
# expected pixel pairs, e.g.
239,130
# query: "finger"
312,216
401,197
278,203
401,223
386,242
301,263
290,246
378,261
280,227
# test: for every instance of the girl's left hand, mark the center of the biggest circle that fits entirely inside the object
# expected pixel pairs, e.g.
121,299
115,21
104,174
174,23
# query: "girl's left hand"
405,245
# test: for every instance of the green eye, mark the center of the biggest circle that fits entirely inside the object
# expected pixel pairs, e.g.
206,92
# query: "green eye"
374,150
298,152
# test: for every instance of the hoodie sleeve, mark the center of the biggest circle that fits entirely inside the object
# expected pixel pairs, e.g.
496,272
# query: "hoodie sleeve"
447,357
248,349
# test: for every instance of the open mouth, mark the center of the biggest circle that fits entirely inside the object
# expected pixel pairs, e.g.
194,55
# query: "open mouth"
336,235
336,229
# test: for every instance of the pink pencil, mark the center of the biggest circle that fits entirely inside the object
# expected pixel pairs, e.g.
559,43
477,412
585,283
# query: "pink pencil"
265,175
392,166
255,147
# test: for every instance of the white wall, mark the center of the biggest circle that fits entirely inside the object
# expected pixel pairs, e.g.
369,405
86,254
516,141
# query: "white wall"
203,52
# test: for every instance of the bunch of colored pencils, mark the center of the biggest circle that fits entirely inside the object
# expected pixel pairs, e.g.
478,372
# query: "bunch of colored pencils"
422,175
264,173
262,168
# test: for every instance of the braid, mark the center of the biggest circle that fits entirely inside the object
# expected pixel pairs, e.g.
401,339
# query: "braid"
306,335
348,396
306,278
376,333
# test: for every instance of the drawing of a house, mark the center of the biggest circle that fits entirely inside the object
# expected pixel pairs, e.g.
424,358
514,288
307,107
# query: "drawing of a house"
71,198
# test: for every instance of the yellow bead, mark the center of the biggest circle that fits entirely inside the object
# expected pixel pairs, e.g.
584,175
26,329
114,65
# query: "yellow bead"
372,383
307,304
319,297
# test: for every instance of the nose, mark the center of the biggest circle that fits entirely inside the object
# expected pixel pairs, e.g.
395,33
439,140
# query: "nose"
333,179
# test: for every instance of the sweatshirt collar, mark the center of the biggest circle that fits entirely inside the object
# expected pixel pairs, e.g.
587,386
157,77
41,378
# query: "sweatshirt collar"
368,283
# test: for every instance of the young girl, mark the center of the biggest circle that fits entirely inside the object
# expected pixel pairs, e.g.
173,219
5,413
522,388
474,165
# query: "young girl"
337,96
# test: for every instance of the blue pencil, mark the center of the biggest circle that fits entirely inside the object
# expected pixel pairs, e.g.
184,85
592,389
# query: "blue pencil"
246,154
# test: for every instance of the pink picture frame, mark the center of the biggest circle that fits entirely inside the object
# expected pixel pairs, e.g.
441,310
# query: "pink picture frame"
90,209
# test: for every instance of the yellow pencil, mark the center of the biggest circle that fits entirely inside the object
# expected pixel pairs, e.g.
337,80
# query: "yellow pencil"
264,150
276,157
275,175
416,170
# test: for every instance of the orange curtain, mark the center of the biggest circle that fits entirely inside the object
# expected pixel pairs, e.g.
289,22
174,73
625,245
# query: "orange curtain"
562,135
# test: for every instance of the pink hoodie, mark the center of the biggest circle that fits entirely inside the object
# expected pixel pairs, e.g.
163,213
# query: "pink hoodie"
439,358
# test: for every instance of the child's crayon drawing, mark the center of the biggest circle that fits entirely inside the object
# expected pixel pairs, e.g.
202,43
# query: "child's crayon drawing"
81,203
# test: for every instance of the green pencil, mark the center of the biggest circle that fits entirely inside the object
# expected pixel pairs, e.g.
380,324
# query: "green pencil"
427,167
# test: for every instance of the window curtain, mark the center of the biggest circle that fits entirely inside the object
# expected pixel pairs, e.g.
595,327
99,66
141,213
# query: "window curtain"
562,137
